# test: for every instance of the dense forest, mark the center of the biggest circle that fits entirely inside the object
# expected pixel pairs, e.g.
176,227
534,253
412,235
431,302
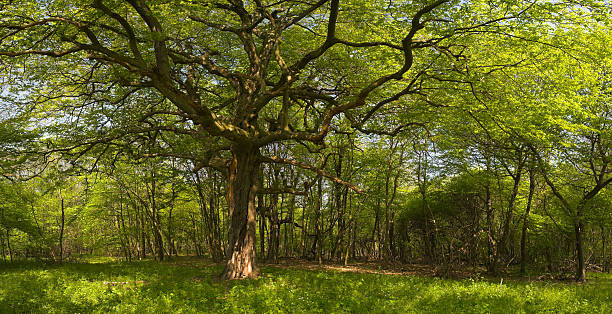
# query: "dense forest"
466,135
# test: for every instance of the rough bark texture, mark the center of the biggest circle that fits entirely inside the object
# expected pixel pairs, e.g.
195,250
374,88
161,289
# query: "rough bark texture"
241,196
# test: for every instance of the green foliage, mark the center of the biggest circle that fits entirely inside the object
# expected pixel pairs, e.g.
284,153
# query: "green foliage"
190,285
13,204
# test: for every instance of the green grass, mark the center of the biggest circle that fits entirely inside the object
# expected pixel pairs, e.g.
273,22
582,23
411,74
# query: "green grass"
191,286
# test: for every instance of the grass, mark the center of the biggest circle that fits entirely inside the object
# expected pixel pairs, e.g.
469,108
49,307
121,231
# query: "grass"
191,286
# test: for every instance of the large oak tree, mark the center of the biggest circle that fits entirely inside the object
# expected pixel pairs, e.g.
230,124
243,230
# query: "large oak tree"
230,77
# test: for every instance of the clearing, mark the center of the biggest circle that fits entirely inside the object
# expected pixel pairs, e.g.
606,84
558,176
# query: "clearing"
191,285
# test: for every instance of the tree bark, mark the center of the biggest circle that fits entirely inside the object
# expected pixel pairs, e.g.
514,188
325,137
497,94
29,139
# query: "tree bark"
241,199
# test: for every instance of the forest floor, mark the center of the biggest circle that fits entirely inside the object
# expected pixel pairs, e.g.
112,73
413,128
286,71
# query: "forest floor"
192,285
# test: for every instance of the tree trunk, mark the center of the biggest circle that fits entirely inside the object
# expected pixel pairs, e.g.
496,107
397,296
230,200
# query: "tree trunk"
2,246
503,242
342,225
491,245
241,199
209,220
604,242
274,231
429,222
318,241
143,240
61,235
290,230
194,235
169,237
8,244
158,241
375,232
262,225
579,229
304,227
526,220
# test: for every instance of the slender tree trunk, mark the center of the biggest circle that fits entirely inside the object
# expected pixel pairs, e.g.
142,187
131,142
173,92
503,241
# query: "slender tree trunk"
209,220
290,229
8,244
354,241
604,243
2,246
318,241
169,237
241,198
123,233
274,232
279,222
158,240
503,242
375,232
143,240
388,199
492,258
579,230
304,226
262,225
61,235
132,236
194,235
169,230
117,224
215,199
429,227
526,220
343,224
